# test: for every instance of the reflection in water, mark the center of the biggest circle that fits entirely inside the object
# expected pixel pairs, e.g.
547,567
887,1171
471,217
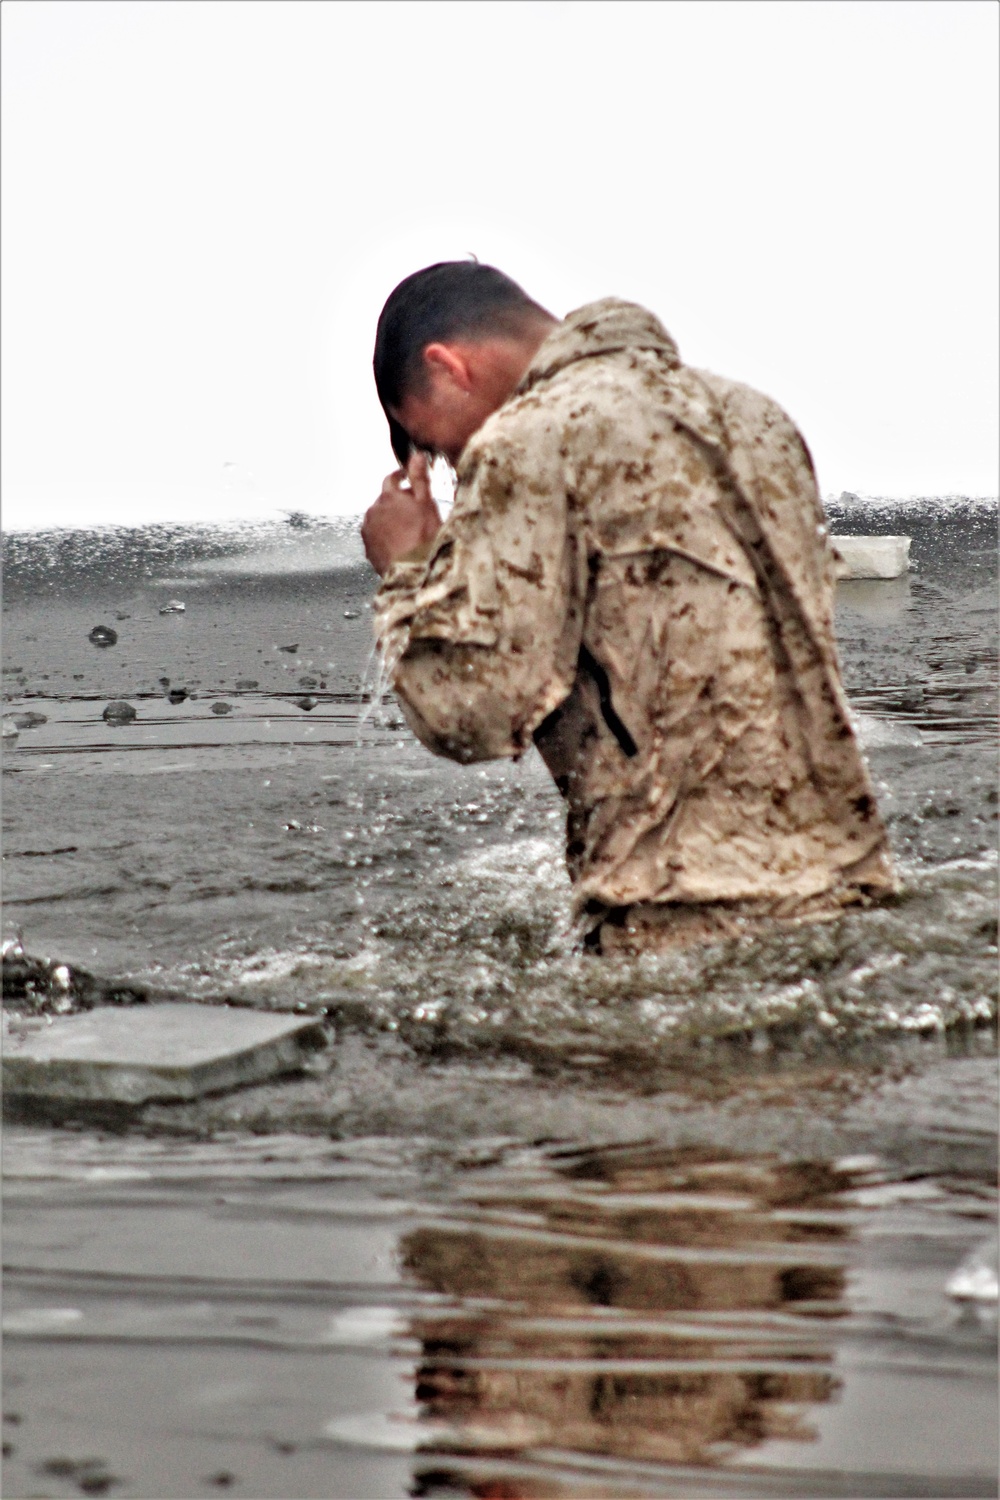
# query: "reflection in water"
359,1318
652,1305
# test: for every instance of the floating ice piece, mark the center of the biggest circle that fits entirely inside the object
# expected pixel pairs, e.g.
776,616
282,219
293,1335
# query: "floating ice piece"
119,712
173,607
874,733
406,1433
10,731
871,556
975,1280
28,1320
365,1325
386,1431
130,1055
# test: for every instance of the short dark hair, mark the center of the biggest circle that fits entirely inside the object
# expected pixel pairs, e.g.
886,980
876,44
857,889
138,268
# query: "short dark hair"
452,299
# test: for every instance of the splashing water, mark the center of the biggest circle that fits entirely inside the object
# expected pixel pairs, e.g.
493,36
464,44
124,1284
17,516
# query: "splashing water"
376,685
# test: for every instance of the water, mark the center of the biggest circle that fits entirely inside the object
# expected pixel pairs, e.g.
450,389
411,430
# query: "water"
546,1224
379,1317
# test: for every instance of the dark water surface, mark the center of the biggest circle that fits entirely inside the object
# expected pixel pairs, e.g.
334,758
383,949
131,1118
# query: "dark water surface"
540,1225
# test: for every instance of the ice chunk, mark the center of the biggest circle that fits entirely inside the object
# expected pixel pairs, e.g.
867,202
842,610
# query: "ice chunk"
170,1051
365,1325
874,733
975,1280
871,556
27,1320
119,712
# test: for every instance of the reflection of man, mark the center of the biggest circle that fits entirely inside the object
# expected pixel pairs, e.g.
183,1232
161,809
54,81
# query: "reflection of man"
637,1316
636,577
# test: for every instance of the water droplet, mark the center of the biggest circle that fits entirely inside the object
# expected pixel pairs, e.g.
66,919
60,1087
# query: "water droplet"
103,635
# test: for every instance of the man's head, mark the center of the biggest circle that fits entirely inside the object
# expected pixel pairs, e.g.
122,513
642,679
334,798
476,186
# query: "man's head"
452,344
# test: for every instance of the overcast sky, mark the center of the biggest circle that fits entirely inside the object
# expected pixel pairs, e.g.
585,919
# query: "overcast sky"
204,206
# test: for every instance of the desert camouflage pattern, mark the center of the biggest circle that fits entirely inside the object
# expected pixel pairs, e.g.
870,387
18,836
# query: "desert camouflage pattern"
636,577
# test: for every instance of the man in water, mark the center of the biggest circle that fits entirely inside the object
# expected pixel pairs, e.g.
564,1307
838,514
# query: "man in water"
635,577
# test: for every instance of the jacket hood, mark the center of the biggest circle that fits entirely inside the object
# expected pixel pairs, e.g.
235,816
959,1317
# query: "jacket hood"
603,327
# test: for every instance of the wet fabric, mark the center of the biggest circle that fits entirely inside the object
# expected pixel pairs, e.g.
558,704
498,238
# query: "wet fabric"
636,577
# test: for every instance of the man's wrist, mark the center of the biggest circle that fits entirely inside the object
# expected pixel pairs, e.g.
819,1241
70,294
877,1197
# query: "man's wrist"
420,553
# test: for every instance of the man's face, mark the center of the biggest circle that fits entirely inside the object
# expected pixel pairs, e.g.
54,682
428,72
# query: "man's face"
443,417
464,383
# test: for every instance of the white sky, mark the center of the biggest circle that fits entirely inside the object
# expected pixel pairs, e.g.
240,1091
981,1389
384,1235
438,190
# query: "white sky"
204,206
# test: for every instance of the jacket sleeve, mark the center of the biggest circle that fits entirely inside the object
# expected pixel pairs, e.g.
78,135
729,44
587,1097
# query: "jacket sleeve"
481,637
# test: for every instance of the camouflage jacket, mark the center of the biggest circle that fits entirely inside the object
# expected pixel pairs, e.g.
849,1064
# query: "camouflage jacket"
636,577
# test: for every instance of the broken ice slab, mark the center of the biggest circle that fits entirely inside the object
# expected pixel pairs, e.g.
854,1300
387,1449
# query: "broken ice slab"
872,556
134,1054
875,733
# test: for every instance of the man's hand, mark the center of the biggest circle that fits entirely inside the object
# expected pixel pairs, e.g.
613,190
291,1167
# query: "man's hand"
401,519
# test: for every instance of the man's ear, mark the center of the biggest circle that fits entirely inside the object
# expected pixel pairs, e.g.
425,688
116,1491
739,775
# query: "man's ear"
445,359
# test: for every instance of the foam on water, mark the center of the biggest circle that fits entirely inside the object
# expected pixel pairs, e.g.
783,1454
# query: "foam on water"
489,967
